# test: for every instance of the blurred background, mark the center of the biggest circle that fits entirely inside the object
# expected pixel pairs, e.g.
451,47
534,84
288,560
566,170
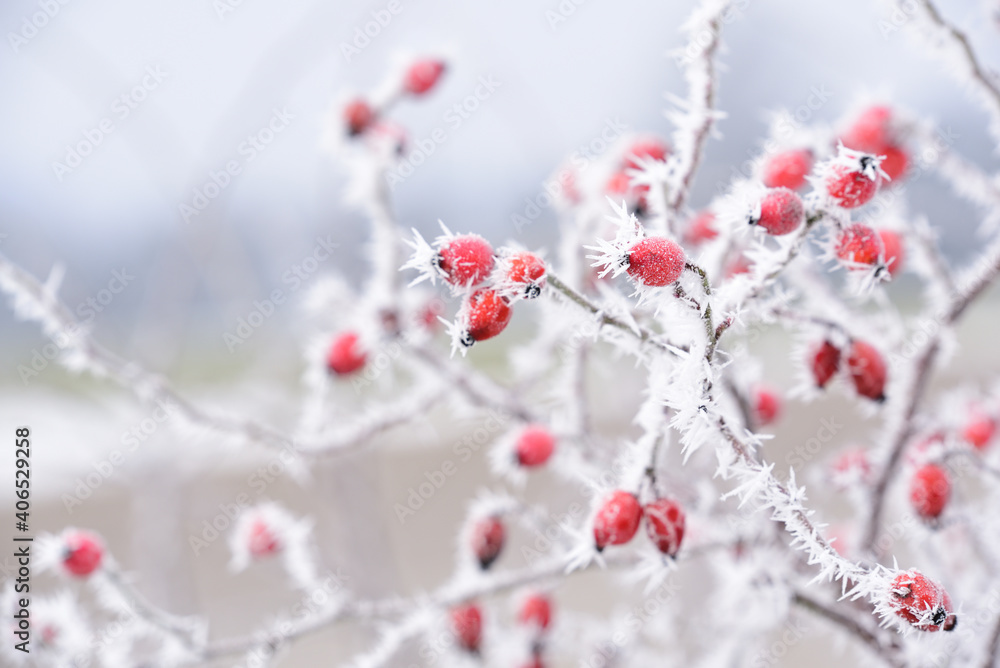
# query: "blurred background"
182,85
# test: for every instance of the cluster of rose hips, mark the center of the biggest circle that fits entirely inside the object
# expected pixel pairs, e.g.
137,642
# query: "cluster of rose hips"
82,552
865,367
930,484
533,446
487,540
619,515
362,116
872,149
490,281
534,613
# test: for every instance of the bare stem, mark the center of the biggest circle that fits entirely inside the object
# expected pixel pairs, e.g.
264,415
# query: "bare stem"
851,625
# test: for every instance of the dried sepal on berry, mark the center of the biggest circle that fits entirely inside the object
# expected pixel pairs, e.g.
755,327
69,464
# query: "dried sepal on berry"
483,315
851,178
519,274
875,131
921,602
858,248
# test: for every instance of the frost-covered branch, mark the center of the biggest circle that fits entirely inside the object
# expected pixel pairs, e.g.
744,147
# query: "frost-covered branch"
965,56
696,115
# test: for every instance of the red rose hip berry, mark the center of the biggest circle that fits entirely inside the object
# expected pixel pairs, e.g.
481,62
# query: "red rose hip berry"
465,260
923,603
979,430
930,489
358,116
867,369
467,625
535,611
766,405
655,262
824,363
485,314
488,535
261,541
852,186
345,355
781,212
528,271
617,519
892,245
423,75
665,522
701,228
788,169
534,446
647,148
859,245
870,131
851,467
895,161
82,553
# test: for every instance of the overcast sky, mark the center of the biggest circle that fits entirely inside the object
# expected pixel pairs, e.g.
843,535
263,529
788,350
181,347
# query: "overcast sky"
208,78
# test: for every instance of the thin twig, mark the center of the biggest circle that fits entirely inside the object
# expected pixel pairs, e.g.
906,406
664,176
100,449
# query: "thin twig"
986,82
983,271
851,625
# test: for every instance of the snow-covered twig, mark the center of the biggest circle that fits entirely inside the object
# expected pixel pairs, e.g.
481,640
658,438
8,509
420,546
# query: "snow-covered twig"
697,114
